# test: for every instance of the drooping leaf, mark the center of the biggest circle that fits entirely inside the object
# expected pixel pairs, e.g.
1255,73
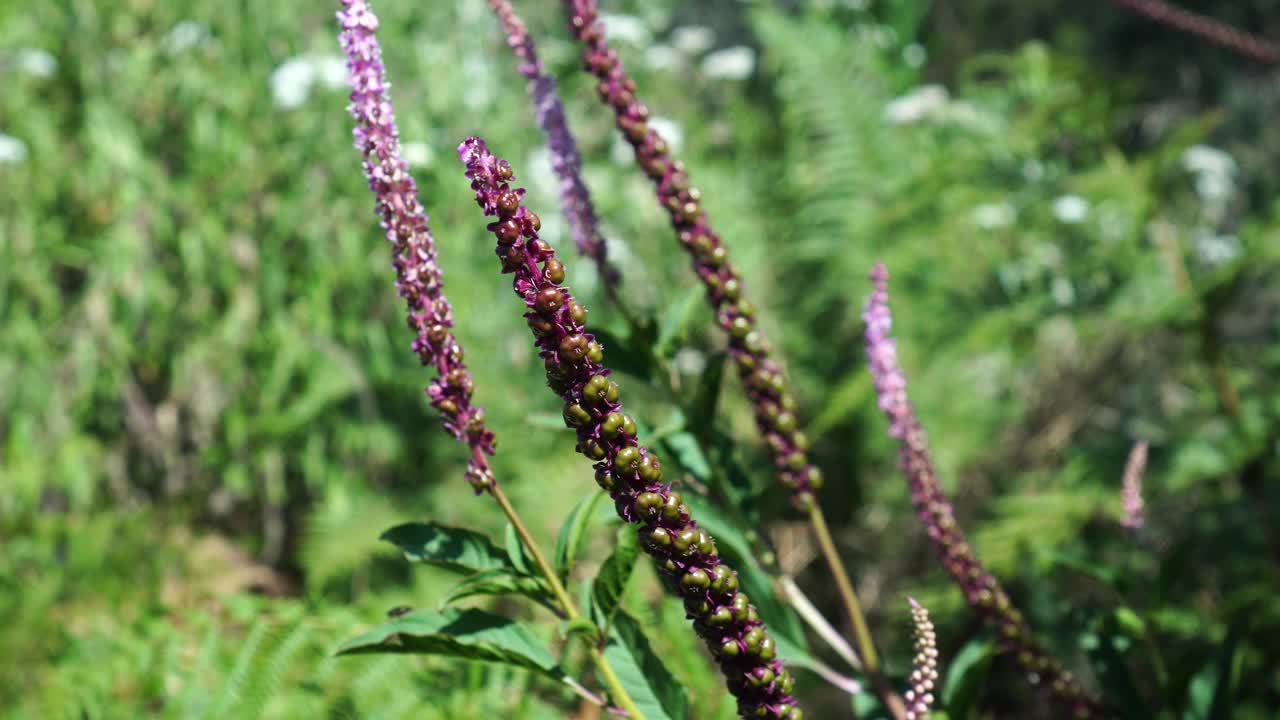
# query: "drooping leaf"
471,634
702,409
452,548
1211,689
675,320
502,581
966,677
684,448
574,531
520,559
655,690
611,581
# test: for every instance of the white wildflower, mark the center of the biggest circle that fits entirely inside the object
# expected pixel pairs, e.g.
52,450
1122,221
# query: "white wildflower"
1202,159
331,70
990,216
417,154
734,63
625,28
922,102
1064,293
693,39
914,55
663,57
1070,209
184,36
1216,249
37,62
291,82
12,150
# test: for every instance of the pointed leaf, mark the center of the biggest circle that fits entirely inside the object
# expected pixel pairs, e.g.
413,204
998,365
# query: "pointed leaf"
675,320
502,582
655,690
515,550
574,531
611,581
471,634
452,548
966,677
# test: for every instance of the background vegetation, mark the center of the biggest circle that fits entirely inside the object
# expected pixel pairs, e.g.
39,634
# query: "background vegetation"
208,408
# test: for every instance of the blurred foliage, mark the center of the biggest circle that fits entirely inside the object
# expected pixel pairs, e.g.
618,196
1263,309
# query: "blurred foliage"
209,412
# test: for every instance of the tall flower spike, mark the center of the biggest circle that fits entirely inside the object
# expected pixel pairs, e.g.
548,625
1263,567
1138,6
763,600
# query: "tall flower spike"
924,666
981,589
771,399
1131,492
413,249
566,161
684,553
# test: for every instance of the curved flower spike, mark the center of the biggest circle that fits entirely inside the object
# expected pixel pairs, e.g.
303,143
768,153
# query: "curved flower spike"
1134,468
771,399
684,553
413,249
924,666
981,589
566,161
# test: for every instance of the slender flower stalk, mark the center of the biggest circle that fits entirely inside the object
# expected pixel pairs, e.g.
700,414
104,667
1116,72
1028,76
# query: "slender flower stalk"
684,553
419,281
771,398
566,161
1134,468
924,666
981,589
772,402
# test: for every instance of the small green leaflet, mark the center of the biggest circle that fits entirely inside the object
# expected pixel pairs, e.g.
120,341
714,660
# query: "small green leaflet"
452,548
656,692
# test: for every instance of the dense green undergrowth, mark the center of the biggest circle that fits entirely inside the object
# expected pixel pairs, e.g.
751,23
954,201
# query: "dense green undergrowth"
209,410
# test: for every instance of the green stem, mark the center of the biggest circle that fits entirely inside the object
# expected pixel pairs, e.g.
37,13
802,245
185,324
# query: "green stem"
617,692
861,634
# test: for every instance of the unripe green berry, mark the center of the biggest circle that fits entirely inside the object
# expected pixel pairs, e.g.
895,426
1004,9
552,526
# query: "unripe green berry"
650,469
594,450
741,607
684,540
730,649
611,425
595,352
724,582
647,505
606,479
740,327
731,289
671,509
575,415
595,389
768,649
754,637
627,460
577,313
720,618
694,581
659,538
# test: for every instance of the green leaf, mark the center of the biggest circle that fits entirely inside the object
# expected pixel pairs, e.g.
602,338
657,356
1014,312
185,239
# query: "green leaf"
1107,644
447,547
736,549
611,581
702,409
684,447
580,626
675,320
574,530
1211,689
502,582
966,677
628,355
655,690
520,560
471,634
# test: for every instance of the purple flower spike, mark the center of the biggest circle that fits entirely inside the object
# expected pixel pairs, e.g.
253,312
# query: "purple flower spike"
766,387
1134,468
924,666
981,589
566,161
418,276
685,554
